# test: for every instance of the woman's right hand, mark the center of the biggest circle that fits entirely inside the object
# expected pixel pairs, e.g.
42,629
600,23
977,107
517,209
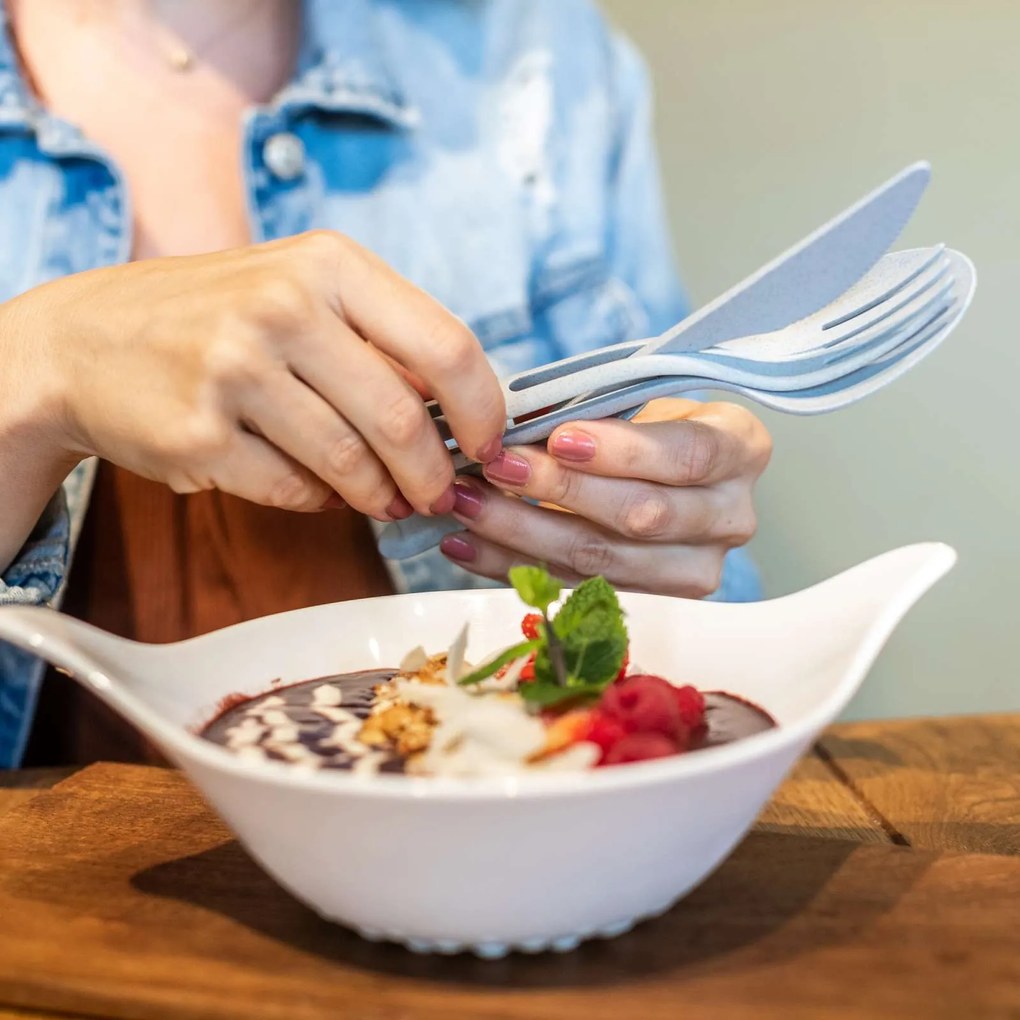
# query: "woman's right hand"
282,372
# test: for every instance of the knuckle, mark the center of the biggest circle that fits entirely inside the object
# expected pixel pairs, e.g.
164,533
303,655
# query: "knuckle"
289,492
230,362
198,439
452,347
645,514
588,555
697,456
326,244
403,422
345,454
704,580
742,527
280,303
563,487
184,484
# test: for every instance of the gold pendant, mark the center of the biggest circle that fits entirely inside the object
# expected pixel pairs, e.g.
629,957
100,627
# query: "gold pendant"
180,59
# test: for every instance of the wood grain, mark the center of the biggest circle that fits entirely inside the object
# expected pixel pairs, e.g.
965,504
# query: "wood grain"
123,896
814,802
20,785
945,784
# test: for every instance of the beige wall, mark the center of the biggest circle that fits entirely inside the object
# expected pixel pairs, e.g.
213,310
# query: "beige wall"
773,114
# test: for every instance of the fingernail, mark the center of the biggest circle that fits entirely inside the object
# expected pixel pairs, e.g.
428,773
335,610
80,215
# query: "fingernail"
574,446
458,548
444,504
399,509
469,501
509,469
491,450
334,502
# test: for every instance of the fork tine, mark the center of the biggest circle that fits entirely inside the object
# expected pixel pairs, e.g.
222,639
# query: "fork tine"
916,304
917,285
896,271
938,252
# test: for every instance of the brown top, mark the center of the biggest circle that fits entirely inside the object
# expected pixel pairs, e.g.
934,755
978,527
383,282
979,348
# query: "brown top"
156,566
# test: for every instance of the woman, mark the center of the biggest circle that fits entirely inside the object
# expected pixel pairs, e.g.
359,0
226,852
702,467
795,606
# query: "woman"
232,233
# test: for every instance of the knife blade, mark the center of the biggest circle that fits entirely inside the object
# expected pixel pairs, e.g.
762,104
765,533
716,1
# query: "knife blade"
807,276
804,278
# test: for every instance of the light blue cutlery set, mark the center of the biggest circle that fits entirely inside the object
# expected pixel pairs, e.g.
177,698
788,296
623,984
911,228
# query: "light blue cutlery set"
830,321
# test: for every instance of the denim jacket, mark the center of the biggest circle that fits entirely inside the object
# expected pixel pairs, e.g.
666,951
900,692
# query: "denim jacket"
497,153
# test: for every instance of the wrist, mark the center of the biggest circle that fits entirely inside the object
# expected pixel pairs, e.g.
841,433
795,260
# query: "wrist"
33,401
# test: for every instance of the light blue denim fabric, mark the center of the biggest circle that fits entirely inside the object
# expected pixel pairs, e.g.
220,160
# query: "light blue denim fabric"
496,152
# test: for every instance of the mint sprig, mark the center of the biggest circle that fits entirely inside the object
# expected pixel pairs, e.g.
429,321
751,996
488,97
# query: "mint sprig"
579,651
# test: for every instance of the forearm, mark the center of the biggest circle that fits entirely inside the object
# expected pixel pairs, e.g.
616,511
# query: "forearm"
33,462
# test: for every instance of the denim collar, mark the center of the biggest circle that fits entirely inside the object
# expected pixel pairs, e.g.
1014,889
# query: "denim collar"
342,69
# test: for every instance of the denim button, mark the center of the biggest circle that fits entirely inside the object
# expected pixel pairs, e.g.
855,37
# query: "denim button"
284,155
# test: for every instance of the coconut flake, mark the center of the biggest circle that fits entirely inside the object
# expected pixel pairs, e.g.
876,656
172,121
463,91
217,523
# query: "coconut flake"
246,734
415,660
455,656
326,695
368,764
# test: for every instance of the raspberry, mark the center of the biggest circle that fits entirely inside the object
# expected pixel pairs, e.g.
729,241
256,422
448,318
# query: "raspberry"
645,704
691,703
639,747
530,624
605,731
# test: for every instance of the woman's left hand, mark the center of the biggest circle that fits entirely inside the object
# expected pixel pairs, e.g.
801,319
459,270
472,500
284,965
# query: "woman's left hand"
652,504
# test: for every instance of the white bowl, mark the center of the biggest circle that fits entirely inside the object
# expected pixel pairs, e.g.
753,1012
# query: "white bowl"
491,865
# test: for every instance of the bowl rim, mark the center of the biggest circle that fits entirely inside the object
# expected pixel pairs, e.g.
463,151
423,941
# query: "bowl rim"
184,745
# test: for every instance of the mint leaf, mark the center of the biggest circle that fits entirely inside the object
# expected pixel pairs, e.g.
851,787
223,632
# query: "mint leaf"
591,633
535,586
589,596
501,660
545,695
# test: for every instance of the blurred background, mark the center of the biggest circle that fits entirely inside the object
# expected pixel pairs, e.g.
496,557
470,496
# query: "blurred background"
773,116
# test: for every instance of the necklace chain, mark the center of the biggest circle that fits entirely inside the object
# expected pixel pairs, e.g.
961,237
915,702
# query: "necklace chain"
182,57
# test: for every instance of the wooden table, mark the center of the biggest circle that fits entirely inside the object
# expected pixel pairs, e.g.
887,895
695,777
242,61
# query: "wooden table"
882,881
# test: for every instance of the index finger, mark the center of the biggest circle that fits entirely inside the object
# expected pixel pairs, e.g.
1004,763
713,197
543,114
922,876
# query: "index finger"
415,330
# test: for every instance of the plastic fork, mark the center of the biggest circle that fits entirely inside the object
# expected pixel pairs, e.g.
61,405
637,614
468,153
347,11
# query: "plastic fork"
817,399
904,292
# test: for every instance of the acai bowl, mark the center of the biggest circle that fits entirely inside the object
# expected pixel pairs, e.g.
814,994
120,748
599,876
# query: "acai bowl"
532,859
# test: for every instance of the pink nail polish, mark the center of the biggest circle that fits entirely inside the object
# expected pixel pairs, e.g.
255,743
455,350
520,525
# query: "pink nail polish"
445,503
575,446
508,469
334,502
490,451
458,548
469,501
399,509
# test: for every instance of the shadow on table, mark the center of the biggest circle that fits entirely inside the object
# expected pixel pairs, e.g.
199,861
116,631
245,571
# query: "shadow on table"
776,896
